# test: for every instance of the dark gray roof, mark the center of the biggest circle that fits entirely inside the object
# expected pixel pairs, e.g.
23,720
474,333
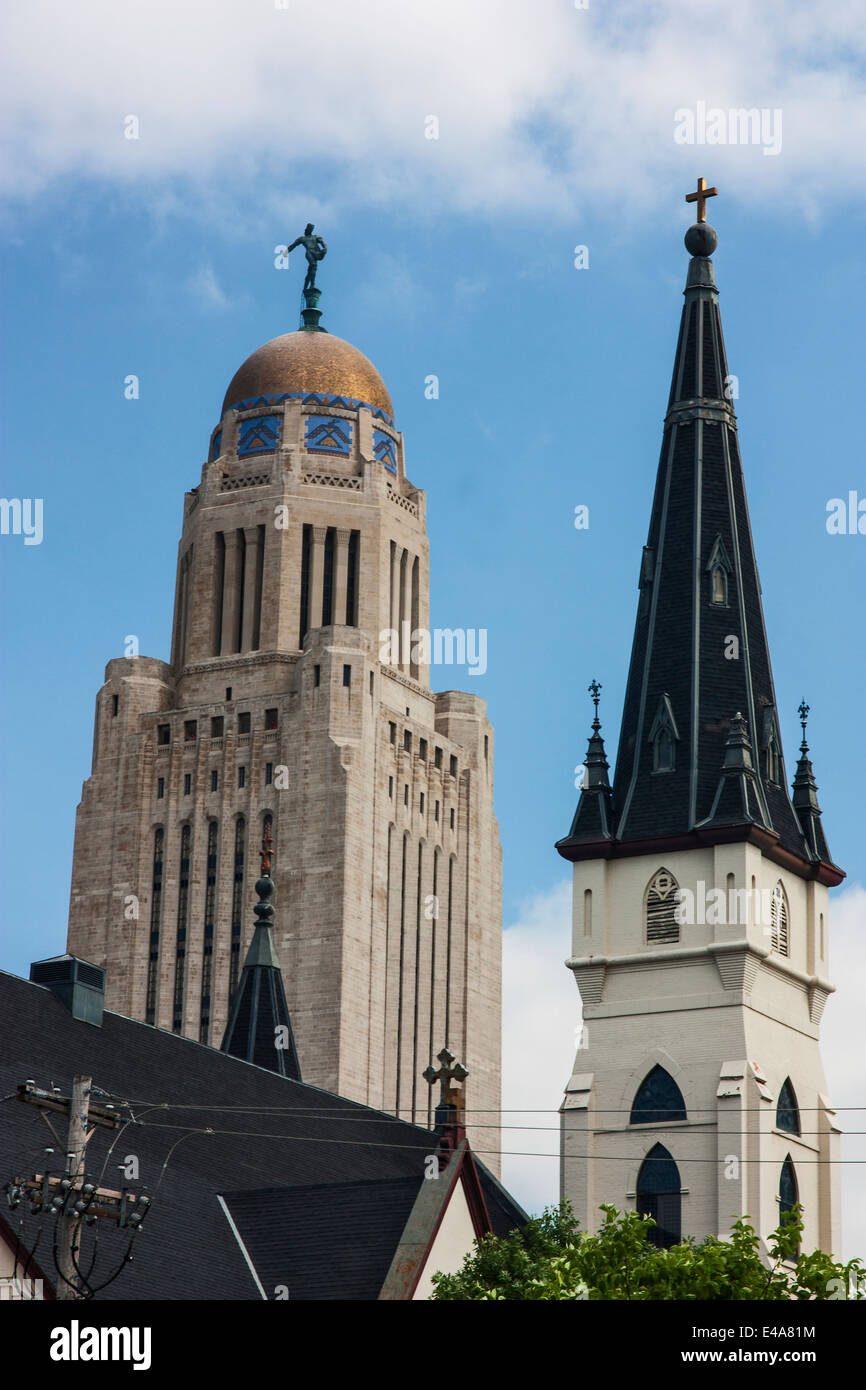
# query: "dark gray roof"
317,1153
682,671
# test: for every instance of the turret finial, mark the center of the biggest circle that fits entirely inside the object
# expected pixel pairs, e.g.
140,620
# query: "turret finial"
701,239
594,689
803,711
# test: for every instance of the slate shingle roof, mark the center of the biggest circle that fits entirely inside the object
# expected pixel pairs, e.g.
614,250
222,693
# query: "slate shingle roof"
319,1152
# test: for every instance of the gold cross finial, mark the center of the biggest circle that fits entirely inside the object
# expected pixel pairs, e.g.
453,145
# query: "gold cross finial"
700,196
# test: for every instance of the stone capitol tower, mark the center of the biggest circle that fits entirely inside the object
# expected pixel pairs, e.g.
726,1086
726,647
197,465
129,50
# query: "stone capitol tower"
302,543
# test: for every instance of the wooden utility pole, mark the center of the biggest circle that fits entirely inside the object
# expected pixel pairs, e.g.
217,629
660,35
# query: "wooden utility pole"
70,1198
70,1222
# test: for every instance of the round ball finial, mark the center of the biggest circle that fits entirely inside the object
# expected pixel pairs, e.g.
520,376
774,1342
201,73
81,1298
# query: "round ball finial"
701,239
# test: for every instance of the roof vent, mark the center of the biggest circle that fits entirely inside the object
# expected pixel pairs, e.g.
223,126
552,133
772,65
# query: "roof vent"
78,985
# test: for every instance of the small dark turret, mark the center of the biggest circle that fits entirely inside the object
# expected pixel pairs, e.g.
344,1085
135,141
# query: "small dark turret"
806,798
259,1027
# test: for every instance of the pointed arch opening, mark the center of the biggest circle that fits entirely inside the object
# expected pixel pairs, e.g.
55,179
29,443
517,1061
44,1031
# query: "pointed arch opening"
659,1196
787,1109
658,1100
789,1194
660,908
663,736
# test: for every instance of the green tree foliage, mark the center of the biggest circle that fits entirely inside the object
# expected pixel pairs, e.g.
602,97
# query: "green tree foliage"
551,1259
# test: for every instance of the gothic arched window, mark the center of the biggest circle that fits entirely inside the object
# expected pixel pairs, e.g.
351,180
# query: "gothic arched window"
658,1196
788,1193
658,1100
719,567
787,1109
660,908
779,920
663,735
774,762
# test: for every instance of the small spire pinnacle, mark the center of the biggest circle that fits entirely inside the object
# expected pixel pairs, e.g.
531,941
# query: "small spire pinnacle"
803,711
595,689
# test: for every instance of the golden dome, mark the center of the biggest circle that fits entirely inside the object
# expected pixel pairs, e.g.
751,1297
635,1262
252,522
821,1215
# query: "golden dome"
306,361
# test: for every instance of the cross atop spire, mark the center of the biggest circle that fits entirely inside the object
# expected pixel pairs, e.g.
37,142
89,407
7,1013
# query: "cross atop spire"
594,689
700,196
445,1073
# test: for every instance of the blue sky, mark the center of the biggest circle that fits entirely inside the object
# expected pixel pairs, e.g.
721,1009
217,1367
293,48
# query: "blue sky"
451,256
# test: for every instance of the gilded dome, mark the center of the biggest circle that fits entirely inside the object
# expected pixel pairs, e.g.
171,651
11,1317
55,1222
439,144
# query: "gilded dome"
302,362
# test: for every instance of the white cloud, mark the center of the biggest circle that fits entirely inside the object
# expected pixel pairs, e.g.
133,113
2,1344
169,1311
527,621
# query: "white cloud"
541,1011
540,106
540,1015
206,290
843,1051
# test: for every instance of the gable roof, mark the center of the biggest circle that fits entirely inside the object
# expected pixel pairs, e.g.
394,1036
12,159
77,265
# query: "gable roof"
203,1125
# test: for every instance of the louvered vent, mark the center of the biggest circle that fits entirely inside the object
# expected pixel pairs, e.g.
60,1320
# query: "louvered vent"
779,921
661,906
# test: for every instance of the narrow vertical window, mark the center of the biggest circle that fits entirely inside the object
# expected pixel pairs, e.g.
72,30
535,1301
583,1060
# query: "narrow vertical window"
187,783
160,788
209,924
317,675
237,906
328,578
270,718
214,780
352,580
219,573
155,919
114,704
587,911
182,916
269,774
306,556
347,675
242,776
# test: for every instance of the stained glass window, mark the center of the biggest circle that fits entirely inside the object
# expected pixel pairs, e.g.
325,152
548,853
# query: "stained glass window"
658,1196
659,1100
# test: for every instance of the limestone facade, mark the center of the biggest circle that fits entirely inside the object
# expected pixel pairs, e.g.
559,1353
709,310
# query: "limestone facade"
280,701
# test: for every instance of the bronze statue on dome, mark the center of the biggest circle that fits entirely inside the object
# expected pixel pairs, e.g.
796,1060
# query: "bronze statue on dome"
315,249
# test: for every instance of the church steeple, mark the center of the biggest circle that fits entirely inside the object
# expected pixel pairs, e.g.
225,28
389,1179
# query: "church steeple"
259,1027
700,686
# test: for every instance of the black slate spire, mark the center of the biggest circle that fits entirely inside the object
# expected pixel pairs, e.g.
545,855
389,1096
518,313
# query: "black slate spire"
699,696
259,1028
